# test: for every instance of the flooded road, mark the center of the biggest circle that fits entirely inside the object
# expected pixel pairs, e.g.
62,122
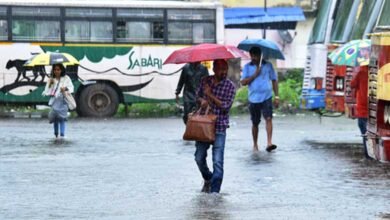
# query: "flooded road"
141,169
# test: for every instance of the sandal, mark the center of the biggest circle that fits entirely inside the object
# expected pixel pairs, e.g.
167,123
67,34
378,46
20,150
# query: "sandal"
271,148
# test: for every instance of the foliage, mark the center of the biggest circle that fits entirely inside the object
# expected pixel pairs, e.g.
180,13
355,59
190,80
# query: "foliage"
148,110
289,92
290,87
240,101
294,74
241,94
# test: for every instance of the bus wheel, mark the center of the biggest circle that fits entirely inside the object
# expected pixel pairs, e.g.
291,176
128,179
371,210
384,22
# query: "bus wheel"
98,100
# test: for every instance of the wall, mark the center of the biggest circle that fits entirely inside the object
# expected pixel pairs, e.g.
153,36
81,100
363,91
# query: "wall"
295,52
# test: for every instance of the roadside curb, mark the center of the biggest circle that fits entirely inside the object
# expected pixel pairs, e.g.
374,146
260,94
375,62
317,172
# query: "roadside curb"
23,114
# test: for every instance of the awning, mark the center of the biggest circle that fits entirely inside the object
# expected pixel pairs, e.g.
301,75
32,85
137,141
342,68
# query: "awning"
258,18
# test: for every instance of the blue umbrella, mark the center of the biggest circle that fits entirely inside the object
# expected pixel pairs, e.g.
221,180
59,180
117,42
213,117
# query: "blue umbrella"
268,48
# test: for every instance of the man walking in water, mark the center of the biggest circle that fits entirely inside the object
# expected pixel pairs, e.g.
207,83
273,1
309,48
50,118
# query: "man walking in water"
258,75
218,93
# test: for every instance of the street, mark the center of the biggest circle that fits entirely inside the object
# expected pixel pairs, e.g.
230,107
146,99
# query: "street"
142,169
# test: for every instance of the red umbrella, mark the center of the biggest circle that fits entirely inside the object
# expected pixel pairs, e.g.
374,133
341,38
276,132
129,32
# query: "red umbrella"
204,52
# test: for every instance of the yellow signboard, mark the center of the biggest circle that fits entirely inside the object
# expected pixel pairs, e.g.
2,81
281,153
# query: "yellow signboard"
383,86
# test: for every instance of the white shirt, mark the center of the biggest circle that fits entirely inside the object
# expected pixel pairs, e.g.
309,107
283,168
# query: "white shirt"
64,81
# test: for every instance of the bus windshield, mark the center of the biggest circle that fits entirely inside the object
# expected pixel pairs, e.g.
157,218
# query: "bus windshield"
384,20
318,33
339,28
363,16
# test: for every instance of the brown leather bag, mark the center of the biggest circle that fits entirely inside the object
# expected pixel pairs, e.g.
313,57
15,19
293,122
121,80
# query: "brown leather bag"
200,127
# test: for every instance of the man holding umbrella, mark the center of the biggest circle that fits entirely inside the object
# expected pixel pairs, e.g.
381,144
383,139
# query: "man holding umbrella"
258,75
216,92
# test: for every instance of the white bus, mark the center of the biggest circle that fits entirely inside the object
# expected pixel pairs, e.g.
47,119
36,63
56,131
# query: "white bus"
338,21
313,90
121,46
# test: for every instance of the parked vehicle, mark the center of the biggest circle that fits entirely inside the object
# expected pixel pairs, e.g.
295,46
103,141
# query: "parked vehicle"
379,98
313,90
378,143
337,23
355,20
121,46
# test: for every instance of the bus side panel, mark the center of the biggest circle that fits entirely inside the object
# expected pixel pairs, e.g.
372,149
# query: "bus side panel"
163,78
318,54
137,70
313,92
378,125
18,84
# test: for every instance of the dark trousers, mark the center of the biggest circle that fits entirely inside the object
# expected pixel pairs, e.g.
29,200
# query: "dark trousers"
218,151
188,108
362,123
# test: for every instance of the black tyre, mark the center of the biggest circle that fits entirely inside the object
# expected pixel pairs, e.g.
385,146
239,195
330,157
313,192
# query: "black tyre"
98,100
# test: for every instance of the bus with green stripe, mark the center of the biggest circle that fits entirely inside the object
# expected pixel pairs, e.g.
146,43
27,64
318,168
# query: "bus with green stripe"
121,47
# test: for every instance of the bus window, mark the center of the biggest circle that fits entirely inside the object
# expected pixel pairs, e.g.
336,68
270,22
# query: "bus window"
139,31
88,31
340,22
35,24
318,33
3,30
384,20
191,26
178,14
3,11
35,12
158,31
203,32
179,32
3,24
140,25
88,25
88,12
363,16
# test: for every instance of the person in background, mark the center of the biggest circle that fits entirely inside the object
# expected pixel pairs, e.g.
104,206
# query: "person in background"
57,84
190,78
260,77
360,83
218,93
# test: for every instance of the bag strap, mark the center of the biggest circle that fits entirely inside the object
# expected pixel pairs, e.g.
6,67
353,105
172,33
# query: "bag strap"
207,111
58,84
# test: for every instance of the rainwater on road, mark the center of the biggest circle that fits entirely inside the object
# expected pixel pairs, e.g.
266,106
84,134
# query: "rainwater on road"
142,169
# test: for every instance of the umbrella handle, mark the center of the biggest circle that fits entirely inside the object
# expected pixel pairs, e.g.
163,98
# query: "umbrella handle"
261,58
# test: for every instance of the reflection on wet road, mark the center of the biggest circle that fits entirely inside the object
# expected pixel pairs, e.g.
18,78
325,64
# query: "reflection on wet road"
141,169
